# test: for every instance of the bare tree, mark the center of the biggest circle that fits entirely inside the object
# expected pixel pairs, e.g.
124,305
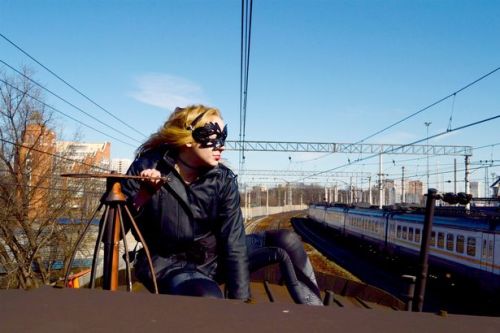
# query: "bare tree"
33,198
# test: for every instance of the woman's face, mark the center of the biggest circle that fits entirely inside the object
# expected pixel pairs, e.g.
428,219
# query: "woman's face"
207,151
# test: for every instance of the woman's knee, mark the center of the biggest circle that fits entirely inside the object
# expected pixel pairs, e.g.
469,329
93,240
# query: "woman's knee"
198,288
283,238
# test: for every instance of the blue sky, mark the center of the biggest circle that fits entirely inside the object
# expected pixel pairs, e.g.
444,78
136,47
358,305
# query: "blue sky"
320,71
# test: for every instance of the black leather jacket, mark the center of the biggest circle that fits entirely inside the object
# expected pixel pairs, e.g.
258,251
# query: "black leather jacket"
180,216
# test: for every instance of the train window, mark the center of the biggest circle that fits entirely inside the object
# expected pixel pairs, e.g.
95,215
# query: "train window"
471,246
398,235
440,240
417,235
449,241
487,251
405,232
410,234
433,238
460,244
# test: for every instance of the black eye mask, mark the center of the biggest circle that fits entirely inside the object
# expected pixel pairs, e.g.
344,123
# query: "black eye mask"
202,135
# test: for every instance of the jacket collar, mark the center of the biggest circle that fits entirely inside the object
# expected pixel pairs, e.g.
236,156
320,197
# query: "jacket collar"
168,159
174,183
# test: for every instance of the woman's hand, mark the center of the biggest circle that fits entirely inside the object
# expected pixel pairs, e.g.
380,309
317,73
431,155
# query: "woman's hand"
152,177
151,182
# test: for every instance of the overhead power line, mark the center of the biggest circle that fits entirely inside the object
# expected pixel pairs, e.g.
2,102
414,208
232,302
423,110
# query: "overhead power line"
67,102
405,145
437,173
54,155
69,85
487,146
246,34
64,114
430,106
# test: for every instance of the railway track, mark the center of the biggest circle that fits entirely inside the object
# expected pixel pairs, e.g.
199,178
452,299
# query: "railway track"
384,271
367,271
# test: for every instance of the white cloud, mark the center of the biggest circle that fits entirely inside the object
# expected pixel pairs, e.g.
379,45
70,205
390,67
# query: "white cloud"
167,91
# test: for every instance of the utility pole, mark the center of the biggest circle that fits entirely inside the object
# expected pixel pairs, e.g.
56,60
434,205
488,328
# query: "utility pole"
467,184
351,198
427,124
403,184
267,201
380,185
455,175
370,190
486,181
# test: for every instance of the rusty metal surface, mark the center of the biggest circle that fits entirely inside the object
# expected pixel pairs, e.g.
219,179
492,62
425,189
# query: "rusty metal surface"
82,310
109,175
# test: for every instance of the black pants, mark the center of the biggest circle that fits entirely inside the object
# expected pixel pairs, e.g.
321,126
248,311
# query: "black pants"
285,248
176,277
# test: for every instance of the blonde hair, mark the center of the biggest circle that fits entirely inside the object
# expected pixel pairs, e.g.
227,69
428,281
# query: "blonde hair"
176,131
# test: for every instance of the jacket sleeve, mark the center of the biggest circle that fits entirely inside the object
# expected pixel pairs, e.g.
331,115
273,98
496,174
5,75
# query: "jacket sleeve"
130,187
233,241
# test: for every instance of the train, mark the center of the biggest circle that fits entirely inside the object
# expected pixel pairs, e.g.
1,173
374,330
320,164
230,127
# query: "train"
465,245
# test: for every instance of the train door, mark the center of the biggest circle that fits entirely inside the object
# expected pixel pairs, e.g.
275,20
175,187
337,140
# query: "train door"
487,251
390,234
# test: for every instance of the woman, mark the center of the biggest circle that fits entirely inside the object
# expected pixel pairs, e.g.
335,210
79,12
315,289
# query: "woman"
191,219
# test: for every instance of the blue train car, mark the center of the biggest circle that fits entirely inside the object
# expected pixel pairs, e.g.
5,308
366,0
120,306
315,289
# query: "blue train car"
469,246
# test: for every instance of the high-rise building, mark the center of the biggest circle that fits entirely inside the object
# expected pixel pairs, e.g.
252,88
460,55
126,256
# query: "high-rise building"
36,158
43,159
476,189
414,192
120,165
89,156
389,191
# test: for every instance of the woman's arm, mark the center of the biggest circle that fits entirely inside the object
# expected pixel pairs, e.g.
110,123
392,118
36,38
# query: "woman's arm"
233,242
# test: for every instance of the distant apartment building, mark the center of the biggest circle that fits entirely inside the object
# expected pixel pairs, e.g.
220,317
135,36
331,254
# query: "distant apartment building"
120,165
414,192
36,157
389,192
87,156
44,159
476,189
